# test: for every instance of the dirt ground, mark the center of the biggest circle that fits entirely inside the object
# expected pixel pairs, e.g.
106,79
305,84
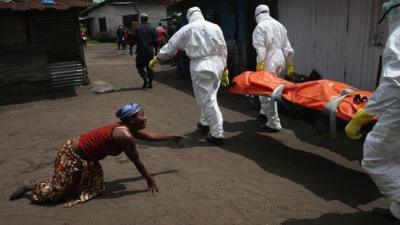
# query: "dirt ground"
295,177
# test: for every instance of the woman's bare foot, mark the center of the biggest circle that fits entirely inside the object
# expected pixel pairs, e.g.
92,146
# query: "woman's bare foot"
21,191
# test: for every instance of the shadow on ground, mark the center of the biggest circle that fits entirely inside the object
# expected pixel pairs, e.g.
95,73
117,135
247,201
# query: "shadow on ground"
58,93
117,189
359,218
323,177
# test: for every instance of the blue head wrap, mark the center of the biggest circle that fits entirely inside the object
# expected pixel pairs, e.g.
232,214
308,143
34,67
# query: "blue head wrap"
128,110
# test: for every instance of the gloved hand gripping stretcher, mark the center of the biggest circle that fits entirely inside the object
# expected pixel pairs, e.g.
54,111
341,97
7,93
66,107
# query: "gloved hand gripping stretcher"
333,98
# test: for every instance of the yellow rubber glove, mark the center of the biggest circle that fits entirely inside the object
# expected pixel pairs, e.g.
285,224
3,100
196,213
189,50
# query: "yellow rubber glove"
225,78
354,126
260,67
153,62
290,67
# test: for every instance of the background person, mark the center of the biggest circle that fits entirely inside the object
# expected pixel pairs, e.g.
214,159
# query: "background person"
84,38
131,36
161,36
145,40
126,36
120,37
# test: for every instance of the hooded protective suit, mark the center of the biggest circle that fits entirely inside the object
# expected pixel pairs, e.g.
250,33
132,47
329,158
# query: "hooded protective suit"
273,49
382,145
205,45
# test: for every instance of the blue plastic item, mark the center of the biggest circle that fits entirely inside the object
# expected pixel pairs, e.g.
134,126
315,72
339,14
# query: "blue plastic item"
48,2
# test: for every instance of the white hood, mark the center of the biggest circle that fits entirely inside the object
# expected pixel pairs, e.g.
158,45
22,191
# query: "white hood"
194,14
261,13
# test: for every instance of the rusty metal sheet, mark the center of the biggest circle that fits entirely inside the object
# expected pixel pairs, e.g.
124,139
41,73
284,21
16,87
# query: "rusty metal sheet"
66,74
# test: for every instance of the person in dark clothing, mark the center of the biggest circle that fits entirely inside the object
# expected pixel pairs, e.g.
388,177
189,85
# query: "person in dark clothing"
120,37
172,28
130,40
145,40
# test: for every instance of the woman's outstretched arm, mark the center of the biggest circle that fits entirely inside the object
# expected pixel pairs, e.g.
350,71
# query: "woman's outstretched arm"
124,138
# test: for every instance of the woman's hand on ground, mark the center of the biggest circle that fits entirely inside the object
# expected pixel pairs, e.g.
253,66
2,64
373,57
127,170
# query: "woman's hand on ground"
181,141
152,188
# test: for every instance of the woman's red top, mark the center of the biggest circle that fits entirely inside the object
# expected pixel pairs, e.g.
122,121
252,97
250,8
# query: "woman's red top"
99,143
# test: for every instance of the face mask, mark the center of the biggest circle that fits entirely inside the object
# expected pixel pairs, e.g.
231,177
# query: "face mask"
258,14
261,9
191,11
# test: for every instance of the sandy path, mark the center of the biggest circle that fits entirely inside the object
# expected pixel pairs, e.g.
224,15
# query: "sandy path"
294,177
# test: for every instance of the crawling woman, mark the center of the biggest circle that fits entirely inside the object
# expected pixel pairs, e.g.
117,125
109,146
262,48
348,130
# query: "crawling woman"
77,169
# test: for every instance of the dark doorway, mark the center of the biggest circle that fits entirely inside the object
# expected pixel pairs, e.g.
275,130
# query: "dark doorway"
128,19
103,24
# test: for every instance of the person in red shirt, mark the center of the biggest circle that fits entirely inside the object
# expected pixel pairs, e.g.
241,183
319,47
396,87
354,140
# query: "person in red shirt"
84,38
126,36
161,36
77,169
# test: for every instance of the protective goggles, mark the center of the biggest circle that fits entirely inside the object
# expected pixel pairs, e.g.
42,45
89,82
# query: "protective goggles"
196,10
265,11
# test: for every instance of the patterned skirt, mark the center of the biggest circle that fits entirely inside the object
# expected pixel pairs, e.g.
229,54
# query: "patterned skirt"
75,180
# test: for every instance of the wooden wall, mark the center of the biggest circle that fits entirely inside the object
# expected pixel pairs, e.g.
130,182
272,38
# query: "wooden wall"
31,42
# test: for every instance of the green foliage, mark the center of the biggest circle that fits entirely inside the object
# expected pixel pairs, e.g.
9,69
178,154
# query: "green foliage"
92,40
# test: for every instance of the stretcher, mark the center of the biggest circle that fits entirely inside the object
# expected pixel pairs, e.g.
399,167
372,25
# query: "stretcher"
333,98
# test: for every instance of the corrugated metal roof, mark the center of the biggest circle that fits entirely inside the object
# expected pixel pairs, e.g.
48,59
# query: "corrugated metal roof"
119,2
36,5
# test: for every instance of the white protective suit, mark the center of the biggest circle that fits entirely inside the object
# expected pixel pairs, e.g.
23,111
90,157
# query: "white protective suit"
273,48
382,145
204,44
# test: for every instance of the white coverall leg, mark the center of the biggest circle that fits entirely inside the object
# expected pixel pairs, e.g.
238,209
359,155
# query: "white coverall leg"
205,87
382,145
273,48
269,107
